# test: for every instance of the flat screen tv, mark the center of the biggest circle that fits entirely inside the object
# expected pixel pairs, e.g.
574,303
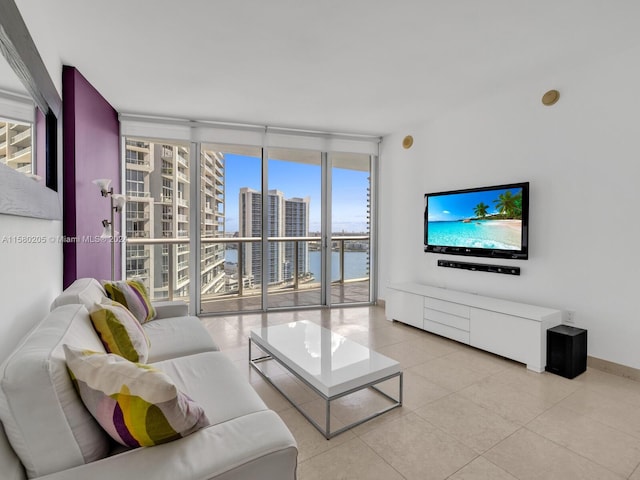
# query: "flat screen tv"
482,222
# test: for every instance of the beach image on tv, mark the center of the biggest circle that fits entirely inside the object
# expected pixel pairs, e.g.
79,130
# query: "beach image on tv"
484,219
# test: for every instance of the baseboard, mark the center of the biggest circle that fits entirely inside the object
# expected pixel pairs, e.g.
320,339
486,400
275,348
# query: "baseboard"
381,303
614,368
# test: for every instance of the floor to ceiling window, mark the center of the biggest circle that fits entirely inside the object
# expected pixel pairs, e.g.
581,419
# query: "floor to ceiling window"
157,216
294,208
350,228
231,228
240,228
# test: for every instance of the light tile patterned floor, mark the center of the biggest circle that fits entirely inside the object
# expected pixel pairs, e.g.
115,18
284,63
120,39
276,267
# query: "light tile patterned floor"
467,414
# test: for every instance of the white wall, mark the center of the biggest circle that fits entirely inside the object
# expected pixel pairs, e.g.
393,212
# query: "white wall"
581,157
30,277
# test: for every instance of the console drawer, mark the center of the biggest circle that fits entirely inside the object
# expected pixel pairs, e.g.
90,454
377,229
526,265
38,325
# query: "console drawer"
447,307
447,331
447,319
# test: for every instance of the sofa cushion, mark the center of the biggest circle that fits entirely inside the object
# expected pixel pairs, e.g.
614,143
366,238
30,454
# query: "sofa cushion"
136,404
254,446
45,421
216,383
171,308
10,465
83,291
177,337
133,295
120,332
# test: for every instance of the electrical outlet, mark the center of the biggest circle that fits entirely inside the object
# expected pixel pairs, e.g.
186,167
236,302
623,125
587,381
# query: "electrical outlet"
570,317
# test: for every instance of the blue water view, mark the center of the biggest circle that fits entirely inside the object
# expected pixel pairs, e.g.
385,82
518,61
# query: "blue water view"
356,264
500,234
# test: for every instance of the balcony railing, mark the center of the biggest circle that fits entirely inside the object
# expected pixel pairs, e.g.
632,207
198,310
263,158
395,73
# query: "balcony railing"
182,161
20,153
141,272
138,161
138,234
138,194
244,280
21,136
134,215
138,254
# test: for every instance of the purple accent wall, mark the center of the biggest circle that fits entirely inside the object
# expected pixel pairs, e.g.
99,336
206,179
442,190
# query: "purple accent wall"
91,150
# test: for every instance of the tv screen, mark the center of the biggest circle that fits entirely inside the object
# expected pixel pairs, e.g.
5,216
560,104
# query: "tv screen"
483,222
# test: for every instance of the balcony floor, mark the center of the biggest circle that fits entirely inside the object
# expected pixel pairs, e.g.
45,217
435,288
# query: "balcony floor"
347,293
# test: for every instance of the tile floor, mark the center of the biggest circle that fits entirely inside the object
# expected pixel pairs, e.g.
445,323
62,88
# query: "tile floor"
467,414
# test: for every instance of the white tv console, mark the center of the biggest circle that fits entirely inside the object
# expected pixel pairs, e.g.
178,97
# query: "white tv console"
513,330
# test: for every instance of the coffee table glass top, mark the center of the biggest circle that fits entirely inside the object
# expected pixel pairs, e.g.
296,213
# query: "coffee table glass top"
330,362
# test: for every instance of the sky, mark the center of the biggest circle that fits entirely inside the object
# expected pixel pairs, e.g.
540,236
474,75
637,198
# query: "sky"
299,180
454,207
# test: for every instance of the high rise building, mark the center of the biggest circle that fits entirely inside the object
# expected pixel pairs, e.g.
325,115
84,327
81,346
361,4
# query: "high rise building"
15,146
157,189
213,221
250,225
286,218
296,224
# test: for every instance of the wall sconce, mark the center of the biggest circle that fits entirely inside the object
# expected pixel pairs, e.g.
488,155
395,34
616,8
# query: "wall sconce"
117,202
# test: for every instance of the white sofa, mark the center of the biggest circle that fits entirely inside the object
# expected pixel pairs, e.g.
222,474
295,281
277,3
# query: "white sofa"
52,436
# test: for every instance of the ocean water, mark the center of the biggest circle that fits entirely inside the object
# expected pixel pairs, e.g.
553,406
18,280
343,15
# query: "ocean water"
356,264
501,234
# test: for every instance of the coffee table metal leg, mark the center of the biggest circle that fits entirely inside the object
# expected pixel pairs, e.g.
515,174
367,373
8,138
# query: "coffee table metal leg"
258,359
327,431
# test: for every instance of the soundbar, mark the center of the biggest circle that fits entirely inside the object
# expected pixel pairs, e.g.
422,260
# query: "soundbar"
480,267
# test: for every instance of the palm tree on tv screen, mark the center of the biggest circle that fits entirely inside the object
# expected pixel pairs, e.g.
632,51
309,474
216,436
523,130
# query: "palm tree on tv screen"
481,210
509,205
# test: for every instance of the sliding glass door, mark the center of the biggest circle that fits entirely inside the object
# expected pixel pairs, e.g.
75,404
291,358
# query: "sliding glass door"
350,228
231,228
294,206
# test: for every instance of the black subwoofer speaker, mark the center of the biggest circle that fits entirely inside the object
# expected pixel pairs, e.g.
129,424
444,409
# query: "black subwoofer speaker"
566,351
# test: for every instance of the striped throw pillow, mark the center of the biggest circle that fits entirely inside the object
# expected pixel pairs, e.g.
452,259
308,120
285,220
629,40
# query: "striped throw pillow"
136,404
120,332
133,295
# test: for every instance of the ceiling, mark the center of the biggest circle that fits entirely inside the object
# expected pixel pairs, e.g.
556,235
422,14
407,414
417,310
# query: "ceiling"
357,66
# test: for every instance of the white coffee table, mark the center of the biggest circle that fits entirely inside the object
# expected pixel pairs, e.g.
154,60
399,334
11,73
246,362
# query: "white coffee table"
331,365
